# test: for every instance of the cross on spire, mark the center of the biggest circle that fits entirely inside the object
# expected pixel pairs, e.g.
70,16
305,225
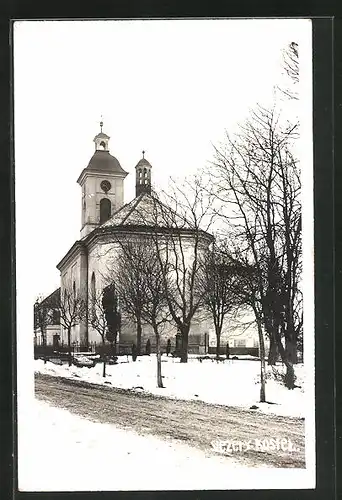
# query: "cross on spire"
143,153
101,122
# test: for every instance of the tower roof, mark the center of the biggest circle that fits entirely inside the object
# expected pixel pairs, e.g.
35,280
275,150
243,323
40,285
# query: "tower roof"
101,135
143,162
103,161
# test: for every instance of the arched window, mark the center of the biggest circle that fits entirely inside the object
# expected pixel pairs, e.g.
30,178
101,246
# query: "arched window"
74,289
93,294
105,210
103,145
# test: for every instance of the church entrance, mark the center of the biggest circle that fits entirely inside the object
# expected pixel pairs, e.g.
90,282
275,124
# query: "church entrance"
55,341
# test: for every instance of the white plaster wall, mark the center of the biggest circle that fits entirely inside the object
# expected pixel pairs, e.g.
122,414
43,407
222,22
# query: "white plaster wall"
100,259
51,330
93,195
70,275
102,256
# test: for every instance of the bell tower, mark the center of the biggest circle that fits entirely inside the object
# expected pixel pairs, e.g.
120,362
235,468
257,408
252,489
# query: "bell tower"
143,176
102,183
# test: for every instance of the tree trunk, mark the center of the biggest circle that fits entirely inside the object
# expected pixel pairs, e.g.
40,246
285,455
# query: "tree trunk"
273,352
185,343
69,346
159,375
44,344
139,331
262,364
291,350
115,344
104,360
218,340
290,374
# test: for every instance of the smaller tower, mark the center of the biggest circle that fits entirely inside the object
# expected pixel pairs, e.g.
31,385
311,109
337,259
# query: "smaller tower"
143,176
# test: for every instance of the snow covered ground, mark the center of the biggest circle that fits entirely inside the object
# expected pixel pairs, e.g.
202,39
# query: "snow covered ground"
71,453
60,451
232,382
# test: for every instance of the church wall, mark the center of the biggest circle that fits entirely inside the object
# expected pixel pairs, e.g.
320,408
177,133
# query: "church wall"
83,290
115,194
93,194
71,274
102,255
100,258
90,189
119,193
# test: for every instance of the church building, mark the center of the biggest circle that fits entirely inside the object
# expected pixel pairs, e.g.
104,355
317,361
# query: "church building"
105,221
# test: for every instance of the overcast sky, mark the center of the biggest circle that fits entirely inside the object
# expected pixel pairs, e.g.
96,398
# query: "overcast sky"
169,87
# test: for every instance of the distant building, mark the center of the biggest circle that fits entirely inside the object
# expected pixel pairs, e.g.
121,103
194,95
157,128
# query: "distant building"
53,327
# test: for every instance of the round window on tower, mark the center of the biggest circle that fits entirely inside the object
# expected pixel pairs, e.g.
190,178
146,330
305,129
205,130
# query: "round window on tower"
105,186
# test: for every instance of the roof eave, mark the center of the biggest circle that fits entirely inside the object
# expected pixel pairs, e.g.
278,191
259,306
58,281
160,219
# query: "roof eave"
149,229
88,171
73,251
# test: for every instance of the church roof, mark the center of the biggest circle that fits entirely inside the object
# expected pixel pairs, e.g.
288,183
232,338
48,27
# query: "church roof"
143,162
146,211
52,300
104,161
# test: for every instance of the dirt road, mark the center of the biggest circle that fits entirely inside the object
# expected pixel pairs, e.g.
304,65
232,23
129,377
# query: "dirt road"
247,434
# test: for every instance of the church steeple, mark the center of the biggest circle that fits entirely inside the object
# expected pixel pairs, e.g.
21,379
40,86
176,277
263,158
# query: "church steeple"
143,176
102,183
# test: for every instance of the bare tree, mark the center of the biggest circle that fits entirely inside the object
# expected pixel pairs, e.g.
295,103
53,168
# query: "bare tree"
291,70
180,223
219,284
257,182
72,309
42,318
138,268
247,290
155,311
96,316
127,273
177,223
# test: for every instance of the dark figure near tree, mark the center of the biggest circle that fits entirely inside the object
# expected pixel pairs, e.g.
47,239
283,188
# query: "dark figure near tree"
148,347
134,352
168,347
